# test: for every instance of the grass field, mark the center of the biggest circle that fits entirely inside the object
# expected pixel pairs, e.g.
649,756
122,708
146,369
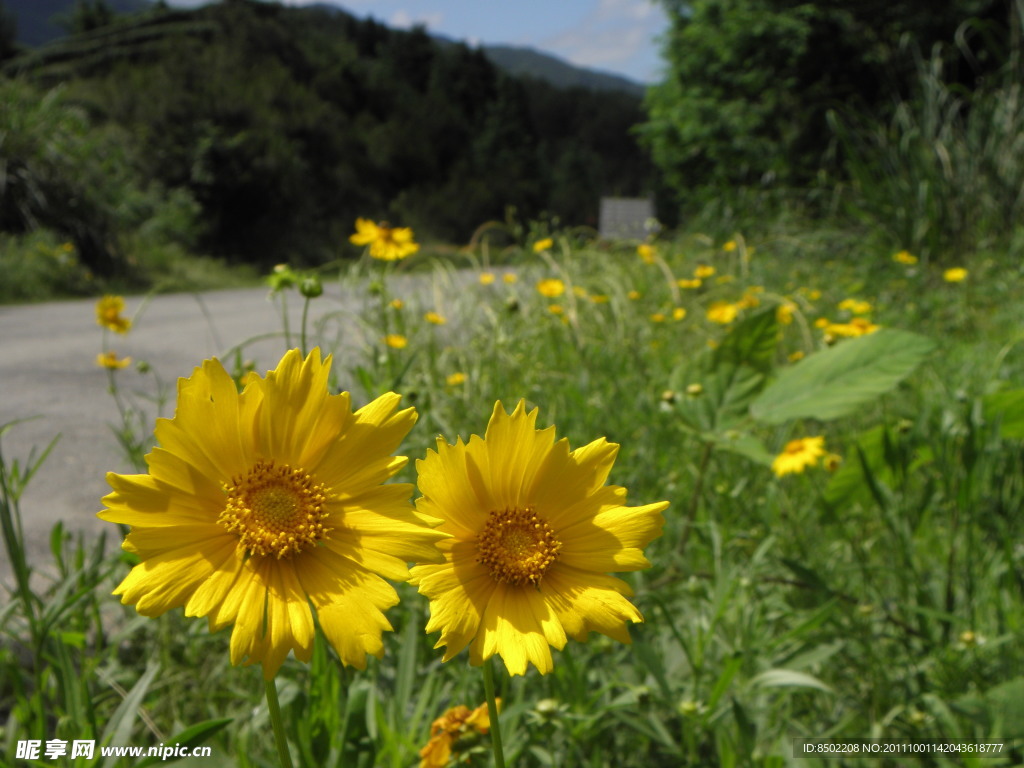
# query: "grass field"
876,593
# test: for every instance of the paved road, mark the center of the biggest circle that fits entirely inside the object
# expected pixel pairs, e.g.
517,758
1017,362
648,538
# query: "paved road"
48,371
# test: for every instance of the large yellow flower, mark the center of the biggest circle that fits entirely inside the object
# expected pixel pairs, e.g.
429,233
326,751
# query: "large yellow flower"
261,505
535,531
386,243
798,455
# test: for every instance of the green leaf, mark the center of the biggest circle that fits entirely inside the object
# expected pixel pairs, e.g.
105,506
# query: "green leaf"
751,343
837,381
1007,410
788,678
849,482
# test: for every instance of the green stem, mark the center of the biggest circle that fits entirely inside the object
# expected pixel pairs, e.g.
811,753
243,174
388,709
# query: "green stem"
492,711
305,316
275,719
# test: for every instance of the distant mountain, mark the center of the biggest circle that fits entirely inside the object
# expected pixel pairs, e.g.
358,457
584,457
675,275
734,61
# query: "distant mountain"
38,23
39,20
532,63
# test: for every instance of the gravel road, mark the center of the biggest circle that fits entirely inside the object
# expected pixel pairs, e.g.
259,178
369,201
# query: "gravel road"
48,374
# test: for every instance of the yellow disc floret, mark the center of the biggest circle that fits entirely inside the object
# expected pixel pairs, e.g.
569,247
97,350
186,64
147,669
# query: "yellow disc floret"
517,546
275,510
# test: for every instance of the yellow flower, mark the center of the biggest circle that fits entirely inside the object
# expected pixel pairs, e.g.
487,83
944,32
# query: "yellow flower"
535,531
455,379
579,291
855,306
784,312
955,275
396,303
111,361
858,326
798,455
599,298
386,243
633,295
795,356
748,301
396,341
730,246
556,309
108,314
904,257
657,317
449,728
543,245
722,312
263,506
486,278
434,318
822,322
678,313
646,253
723,279
832,461
695,283
509,278
552,287
703,271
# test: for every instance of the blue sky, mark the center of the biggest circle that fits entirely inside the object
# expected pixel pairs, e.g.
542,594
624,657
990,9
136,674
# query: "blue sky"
611,35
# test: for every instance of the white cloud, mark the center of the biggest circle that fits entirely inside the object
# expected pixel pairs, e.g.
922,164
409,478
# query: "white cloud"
404,20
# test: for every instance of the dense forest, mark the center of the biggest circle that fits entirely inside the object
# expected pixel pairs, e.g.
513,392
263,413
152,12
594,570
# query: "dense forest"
269,129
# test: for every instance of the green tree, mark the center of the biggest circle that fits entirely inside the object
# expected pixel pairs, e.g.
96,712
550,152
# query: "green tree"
749,82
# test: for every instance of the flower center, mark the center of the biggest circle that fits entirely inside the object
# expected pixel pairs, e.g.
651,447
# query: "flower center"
275,510
517,546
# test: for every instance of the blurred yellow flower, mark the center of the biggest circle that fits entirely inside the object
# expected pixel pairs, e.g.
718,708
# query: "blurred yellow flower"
509,278
722,312
695,283
678,313
543,245
723,279
855,306
396,341
486,278
796,355
633,295
798,455
551,287
703,271
904,257
396,303
646,253
955,275
111,361
446,730
657,317
599,298
386,243
266,509
832,461
108,314
535,534
556,309
729,246
579,292
434,318
455,379
784,312
858,326
822,322
748,301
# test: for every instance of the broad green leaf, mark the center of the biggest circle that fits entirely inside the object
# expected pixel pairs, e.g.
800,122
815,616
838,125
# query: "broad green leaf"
1007,410
751,343
837,381
788,678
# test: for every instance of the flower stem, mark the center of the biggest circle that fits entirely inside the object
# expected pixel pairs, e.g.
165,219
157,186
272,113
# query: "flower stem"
492,711
305,317
275,719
